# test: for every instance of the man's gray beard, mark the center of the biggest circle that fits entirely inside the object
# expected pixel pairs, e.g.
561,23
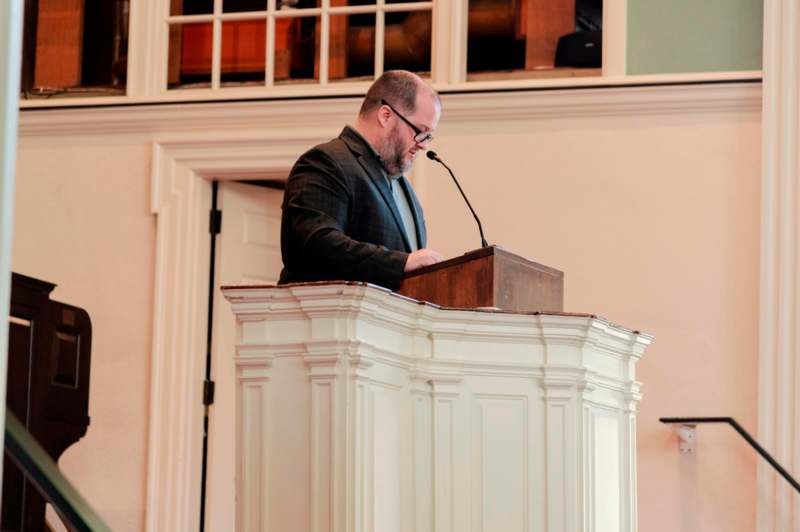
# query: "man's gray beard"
392,155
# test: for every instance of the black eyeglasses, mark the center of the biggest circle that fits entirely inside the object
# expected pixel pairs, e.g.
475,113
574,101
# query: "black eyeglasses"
420,136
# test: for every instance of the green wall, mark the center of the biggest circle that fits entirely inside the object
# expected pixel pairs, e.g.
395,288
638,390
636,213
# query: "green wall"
672,36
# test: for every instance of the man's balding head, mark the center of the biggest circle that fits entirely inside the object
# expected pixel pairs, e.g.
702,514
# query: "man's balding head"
400,88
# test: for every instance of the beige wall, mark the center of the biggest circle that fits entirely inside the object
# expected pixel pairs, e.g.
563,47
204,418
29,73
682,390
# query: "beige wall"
654,218
83,222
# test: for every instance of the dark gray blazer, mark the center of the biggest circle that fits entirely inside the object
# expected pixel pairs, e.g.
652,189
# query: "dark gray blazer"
340,221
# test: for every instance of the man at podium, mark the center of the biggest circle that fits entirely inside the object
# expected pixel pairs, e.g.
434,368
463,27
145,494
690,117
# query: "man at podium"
348,211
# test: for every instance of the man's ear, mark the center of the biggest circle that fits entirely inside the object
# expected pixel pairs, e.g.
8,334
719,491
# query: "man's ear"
382,115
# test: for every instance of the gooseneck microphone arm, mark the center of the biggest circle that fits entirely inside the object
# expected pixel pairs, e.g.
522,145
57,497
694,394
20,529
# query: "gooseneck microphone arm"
433,157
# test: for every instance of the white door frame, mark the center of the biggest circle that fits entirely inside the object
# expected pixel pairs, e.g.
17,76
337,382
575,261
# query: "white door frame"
181,199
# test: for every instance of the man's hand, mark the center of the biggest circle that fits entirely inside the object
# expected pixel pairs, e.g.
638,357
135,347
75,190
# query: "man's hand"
421,258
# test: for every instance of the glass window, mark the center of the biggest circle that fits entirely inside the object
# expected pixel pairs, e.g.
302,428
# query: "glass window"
297,44
243,52
239,6
352,47
407,41
190,55
534,38
277,42
75,47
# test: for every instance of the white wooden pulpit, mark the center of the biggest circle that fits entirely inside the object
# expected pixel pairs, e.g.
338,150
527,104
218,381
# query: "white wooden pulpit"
361,410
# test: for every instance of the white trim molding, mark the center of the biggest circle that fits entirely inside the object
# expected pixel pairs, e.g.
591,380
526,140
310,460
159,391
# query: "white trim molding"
147,45
459,109
181,197
778,507
357,89
615,37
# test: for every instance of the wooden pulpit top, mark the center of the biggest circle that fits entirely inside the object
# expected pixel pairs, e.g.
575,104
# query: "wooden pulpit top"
479,254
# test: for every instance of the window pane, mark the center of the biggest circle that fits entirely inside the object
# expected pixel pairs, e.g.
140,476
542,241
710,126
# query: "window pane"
189,55
408,42
75,46
352,47
238,6
297,49
354,2
285,5
191,7
534,38
243,50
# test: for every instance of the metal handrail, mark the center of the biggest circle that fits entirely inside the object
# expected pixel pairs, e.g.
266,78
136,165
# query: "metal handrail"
743,433
42,471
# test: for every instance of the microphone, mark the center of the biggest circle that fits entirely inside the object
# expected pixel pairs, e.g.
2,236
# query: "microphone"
433,157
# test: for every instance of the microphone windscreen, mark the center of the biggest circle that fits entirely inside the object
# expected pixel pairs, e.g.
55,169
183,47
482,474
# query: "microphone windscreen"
431,155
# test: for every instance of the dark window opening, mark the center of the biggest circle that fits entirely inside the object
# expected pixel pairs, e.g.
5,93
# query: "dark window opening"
75,47
534,38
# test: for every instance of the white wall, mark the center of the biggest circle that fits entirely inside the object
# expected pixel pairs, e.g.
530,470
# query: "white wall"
83,222
652,214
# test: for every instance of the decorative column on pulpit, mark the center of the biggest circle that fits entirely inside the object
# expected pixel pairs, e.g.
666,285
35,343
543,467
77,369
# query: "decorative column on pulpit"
252,395
361,410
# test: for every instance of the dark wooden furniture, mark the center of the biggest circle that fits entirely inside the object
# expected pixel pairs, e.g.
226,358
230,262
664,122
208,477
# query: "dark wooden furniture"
488,277
49,349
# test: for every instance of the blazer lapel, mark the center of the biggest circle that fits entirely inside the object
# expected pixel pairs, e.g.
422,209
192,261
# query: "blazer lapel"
416,211
373,169
375,172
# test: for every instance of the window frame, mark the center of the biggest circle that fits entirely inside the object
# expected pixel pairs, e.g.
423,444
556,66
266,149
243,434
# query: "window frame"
148,55
272,13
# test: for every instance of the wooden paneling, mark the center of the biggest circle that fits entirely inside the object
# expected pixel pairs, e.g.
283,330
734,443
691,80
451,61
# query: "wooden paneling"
545,22
59,43
337,65
243,48
285,31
